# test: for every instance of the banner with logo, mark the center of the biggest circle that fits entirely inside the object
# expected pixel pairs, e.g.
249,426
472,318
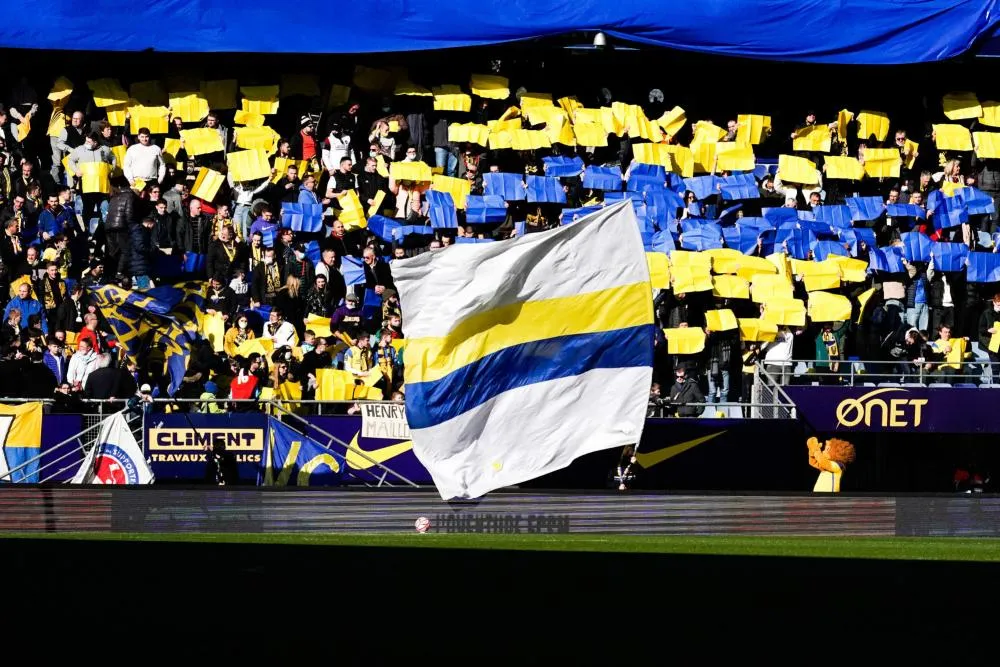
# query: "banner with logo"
384,421
115,458
177,444
293,459
896,409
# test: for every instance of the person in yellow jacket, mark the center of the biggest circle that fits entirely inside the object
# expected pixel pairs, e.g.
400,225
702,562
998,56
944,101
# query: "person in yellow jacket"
359,358
831,459
238,334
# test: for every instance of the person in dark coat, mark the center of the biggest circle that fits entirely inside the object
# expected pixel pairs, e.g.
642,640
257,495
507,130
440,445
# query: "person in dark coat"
121,214
220,298
141,252
69,314
684,392
102,383
220,466
989,324
194,230
224,254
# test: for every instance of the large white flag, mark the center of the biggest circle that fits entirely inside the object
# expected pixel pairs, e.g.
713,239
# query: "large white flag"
523,355
116,458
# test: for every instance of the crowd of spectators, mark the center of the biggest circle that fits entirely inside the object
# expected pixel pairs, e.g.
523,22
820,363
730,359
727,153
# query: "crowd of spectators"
62,238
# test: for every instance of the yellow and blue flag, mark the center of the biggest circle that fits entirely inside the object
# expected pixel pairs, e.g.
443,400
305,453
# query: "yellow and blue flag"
293,459
166,317
524,355
20,442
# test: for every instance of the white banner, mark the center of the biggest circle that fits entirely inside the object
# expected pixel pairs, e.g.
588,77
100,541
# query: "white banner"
386,421
116,458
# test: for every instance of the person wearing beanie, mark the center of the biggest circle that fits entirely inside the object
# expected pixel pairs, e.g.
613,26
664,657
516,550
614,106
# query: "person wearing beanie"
210,405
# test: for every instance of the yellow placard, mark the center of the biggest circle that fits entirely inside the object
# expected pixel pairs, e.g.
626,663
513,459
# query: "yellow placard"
148,93
107,92
681,160
306,85
459,188
707,133
704,157
691,258
590,134
787,311
673,121
730,287
612,124
220,93
281,165
815,138
372,79
334,385
320,326
863,299
569,104
640,126
116,114
248,119
60,91
843,118
951,137
490,86
690,278
910,151
851,270
685,340
527,140
751,129
57,121
153,118
451,98
987,144
994,345
410,89
170,149
657,154
257,138
96,177
767,286
882,162
119,153
826,307
202,140
794,169
207,184
744,265
189,107
248,165
720,320
821,281
732,156
352,214
757,330
991,113
842,166
472,133
873,123
260,99
536,100
376,203
410,171
961,106
339,95
659,270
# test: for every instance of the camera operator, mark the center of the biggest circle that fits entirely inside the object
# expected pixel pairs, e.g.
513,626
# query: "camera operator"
220,465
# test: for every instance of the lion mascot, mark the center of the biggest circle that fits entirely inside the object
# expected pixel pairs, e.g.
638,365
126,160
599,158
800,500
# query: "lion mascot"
831,459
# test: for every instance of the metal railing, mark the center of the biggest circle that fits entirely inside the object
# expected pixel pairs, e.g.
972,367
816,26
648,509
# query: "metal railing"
723,410
69,453
768,393
858,373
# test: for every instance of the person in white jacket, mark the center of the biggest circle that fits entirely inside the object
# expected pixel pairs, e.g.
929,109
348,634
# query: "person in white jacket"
81,364
279,330
778,355
336,147
144,160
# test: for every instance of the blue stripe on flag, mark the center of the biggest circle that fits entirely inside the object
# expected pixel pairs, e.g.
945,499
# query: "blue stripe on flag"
432,403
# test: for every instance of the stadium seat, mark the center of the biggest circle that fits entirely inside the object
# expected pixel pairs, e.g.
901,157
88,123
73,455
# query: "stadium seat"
913,384
939,385
966,385
867,384
889,384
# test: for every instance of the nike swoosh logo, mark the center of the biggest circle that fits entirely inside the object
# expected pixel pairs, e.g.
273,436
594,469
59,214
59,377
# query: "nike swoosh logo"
375,456
660,455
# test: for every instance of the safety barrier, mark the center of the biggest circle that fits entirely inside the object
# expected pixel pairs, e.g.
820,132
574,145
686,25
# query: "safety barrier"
905,373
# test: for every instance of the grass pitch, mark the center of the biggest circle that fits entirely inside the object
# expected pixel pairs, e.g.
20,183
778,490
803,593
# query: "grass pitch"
882,548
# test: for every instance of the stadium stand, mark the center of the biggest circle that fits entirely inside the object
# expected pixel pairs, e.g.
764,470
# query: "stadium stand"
193,238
